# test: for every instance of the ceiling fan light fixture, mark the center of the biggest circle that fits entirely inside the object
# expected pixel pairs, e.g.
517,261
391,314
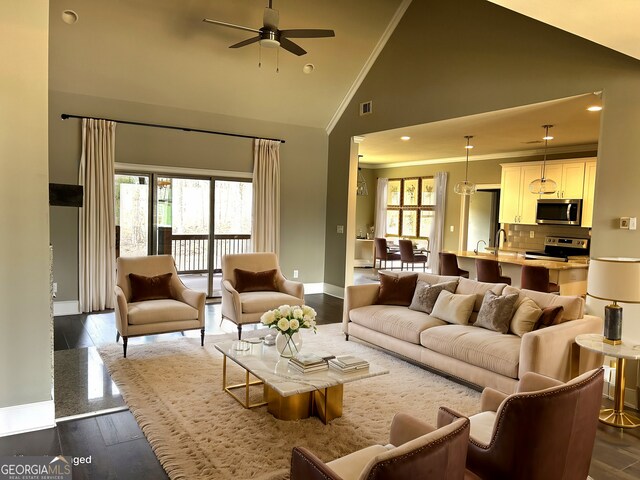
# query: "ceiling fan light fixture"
544,185
466,187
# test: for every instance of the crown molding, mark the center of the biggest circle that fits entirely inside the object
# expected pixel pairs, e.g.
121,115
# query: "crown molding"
393,23
479,158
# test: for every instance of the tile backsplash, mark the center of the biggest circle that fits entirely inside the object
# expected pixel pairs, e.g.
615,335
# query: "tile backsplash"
519,236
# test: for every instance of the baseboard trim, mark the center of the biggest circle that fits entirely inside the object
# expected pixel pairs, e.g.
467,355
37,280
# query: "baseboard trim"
630,395
68,307
334,290
27,418
311,288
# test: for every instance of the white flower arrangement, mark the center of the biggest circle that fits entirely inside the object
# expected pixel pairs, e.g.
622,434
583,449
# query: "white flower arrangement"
290,319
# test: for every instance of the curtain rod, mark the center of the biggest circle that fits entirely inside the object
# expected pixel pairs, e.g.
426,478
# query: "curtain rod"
64,116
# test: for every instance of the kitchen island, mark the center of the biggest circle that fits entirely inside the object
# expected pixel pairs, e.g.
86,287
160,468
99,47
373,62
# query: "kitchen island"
570,276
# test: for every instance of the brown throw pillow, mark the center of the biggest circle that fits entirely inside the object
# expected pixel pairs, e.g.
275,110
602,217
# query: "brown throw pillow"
150,288
396,290
550,316
247,281
496,311
425,295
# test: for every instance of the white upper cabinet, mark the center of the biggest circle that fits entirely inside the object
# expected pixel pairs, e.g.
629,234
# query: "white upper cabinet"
575,179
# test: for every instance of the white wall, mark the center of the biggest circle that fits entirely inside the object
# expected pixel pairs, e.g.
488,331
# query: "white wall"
26,341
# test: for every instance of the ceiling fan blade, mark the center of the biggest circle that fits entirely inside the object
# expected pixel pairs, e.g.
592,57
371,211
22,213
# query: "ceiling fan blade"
292,47
271,18
231,25
307,33
249,41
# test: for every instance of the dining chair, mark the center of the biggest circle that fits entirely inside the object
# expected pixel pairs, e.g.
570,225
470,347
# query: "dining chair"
408,256
382,253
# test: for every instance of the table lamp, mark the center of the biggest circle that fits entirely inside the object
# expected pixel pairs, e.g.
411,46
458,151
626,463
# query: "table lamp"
616,279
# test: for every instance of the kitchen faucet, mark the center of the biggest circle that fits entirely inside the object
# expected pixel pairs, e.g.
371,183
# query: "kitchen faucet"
498,239
478,246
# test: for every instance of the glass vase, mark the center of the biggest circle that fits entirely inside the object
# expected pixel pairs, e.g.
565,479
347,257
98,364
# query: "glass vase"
288,345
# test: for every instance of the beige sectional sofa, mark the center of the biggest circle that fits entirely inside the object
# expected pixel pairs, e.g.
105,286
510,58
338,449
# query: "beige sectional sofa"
477,355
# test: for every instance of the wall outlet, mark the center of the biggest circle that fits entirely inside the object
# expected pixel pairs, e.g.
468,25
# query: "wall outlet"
451,228
340,229
532,233
624,223
632,223
295,274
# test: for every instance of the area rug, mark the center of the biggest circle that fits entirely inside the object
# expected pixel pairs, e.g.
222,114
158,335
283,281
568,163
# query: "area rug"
197,431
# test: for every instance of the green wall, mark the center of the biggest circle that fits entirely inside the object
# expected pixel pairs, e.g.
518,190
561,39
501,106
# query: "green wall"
303,171
458,58
26,339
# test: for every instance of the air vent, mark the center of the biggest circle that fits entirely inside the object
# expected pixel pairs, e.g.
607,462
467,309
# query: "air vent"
366,108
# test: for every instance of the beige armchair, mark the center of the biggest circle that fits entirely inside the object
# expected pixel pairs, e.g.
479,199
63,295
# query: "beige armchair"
415,450
171,306
245,307
545,430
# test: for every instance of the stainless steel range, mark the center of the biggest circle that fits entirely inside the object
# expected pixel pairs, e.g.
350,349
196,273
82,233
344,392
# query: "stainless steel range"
559,249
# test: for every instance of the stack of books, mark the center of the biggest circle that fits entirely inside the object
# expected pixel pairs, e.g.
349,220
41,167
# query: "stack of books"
308,362
348,363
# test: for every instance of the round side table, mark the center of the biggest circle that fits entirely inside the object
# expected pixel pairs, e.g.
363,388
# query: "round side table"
615,416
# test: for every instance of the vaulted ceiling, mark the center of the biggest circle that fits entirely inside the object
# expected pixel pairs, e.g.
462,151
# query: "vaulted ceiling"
160,52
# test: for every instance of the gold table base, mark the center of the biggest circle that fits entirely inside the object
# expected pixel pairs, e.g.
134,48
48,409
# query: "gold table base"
326,404
616,417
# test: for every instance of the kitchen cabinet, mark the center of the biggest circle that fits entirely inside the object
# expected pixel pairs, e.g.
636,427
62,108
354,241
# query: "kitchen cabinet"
589,191
568,176
517,203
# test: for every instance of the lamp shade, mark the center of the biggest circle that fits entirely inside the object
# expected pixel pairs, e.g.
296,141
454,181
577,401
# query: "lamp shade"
614,278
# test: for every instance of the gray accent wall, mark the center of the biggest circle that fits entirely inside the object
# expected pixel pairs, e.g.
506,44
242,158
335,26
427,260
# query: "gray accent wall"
452,59
303,171
26,343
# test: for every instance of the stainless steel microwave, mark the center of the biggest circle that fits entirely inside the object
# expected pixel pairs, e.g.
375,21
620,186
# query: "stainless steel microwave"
559,211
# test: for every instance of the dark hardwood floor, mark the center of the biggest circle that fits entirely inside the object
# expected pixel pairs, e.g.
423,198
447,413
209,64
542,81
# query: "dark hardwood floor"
119,450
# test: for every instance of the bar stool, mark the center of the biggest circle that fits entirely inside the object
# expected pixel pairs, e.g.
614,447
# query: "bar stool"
537,278
489,271
449,265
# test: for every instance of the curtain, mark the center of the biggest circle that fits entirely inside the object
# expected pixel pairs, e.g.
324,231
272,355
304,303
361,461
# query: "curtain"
436,236
265,227
381,208
96,227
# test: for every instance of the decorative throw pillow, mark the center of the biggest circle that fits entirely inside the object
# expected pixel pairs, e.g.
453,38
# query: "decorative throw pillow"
550,316
454,308
150,288
247,281
396,290
525,318
496,311
425,296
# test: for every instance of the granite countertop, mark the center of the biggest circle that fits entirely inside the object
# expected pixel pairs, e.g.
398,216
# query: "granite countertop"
517,258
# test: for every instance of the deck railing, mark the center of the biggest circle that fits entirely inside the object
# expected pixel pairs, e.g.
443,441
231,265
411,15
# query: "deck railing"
191,252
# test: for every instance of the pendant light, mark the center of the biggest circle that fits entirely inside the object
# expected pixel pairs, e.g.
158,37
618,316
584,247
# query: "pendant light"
361,189
466,187
544,185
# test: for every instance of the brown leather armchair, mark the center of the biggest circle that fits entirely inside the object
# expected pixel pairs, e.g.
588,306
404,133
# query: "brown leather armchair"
545,430
416,450
488,270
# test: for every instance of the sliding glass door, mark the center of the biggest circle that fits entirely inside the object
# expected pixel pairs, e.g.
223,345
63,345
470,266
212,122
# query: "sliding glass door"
197,220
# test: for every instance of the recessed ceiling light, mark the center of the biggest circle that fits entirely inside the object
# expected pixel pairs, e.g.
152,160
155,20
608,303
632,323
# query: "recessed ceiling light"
308,68
594,108
548,137
69,17
468,146
405,138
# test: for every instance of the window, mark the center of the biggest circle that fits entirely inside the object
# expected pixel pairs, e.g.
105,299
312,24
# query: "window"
410,207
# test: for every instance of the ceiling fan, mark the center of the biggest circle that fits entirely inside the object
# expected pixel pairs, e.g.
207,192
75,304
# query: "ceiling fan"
270,36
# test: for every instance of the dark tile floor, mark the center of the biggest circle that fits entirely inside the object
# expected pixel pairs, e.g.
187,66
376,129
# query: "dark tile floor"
117,446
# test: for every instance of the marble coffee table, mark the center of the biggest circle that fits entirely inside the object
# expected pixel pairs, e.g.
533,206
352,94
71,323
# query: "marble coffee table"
288,394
